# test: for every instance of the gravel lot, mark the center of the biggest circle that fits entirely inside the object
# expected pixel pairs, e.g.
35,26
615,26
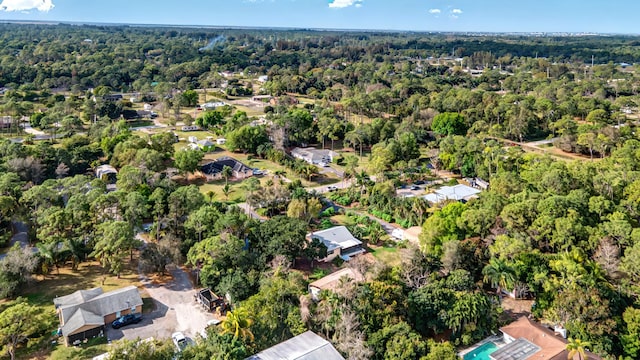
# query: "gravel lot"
175,310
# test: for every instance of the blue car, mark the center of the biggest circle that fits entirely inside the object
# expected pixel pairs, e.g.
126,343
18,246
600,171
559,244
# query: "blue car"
126,320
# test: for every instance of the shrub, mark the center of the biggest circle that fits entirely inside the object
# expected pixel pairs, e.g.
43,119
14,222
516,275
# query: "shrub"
326,224
328,212
261,211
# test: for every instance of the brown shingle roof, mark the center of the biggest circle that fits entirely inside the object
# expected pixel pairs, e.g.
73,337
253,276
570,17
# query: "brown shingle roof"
330,282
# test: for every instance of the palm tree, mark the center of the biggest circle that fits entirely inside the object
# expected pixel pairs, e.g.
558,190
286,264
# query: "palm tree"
77,251
577,347
211,194
226,189
52,255
499,275
226,173
238,324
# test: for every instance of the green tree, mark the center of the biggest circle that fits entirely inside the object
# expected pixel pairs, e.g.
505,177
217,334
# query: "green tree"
142,350
631,338
226,174
16,269
449,124
239,324
188,160
114,239
499,275
18,322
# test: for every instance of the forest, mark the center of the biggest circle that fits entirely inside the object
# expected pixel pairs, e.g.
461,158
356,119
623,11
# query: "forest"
549,122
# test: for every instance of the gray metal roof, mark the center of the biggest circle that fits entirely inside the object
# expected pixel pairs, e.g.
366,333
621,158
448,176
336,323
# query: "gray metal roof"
336,237
306,346
80,319
517,350
77,297
103,303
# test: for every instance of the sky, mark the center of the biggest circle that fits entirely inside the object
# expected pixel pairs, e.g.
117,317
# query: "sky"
590,16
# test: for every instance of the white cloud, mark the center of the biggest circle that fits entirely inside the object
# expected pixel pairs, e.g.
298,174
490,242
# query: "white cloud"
339,4
456,11
26,5
434,11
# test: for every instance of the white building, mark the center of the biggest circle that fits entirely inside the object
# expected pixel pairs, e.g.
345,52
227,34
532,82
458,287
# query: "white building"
458,192
314,156
339,242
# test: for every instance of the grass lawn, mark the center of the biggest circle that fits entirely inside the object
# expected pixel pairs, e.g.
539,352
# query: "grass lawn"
388,255
45,288
342,220
237,194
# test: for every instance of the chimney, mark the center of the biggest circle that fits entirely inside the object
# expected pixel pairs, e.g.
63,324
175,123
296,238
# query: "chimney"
560,330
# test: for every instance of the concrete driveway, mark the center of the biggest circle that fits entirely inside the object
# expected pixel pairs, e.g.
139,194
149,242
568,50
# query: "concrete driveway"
176,310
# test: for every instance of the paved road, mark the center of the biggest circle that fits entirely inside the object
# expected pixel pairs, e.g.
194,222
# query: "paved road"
326,188
249,211
541,142
20,236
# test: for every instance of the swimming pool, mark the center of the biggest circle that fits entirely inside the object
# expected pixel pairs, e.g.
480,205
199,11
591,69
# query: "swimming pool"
482,352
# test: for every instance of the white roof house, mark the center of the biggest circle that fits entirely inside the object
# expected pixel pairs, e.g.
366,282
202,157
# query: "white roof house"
212,105
314,156
339,242
105,170
458,192
306,346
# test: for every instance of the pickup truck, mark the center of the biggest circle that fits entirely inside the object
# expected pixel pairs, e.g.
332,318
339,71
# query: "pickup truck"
126,320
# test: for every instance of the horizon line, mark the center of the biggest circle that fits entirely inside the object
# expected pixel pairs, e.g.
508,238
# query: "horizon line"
294,28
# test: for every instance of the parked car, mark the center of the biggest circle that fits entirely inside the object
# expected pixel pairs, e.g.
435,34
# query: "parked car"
414,187
126,320
332,188
179,340
420,182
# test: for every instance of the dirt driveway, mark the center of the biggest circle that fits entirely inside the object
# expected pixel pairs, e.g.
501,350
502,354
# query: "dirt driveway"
175,310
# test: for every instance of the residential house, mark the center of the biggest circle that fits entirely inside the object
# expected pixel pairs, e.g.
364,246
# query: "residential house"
478,183
212,105
339,242
314,156
213,170
206,145
112,97
332,281
108,174
6,122
263,78
306,346
458,192
527,339
411,234
262,98
85,313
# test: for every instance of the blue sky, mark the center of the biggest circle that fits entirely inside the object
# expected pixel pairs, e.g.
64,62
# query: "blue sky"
617,16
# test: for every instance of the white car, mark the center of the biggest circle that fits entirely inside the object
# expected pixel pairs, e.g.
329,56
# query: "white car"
179,340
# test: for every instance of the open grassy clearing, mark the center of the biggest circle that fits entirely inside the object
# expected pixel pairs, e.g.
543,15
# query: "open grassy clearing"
388,255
